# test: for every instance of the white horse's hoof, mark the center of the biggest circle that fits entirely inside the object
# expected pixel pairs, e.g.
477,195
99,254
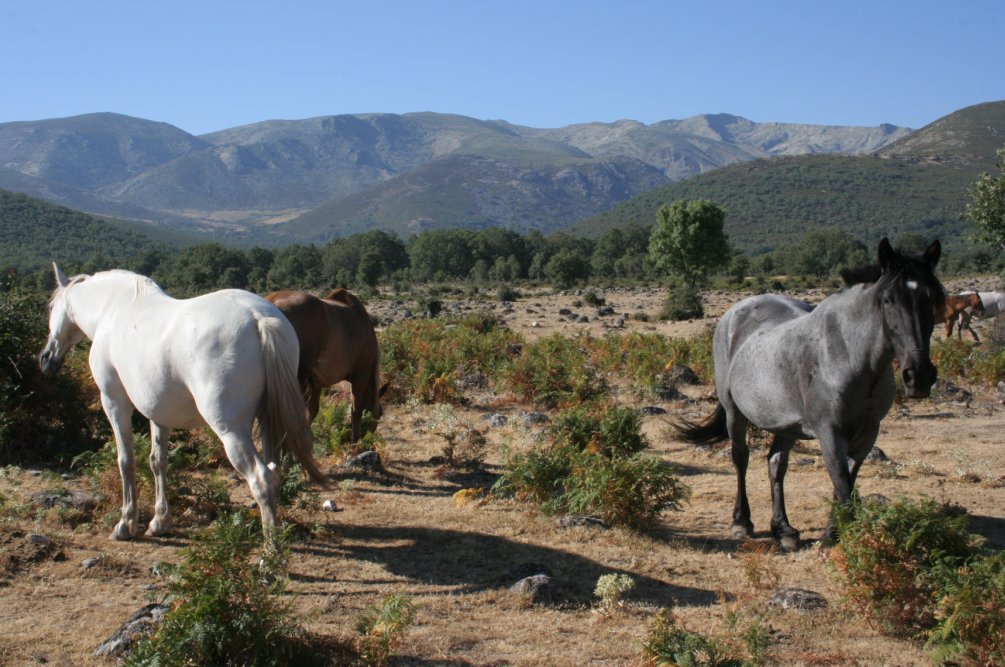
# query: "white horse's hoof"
121,532
157,529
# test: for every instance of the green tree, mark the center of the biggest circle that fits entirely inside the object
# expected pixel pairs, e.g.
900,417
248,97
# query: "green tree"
986,208
567,267
689,241
295,267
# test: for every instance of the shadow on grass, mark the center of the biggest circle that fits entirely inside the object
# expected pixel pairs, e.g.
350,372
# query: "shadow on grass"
474,562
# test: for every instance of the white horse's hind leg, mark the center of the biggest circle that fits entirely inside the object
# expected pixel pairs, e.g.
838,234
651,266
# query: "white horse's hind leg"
161,523
263,479
119,413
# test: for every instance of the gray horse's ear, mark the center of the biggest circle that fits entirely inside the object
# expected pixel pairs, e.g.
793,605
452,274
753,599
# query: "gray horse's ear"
932,253
886,253
61,278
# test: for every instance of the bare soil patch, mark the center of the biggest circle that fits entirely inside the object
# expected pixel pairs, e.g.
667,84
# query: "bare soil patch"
403,532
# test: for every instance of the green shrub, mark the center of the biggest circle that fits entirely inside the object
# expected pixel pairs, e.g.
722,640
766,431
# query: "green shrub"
971,613
536,475
226,604
630,491
591,298
506,293
332,426
683,303
381,629
41,418
647,358
951,356
893,559
600,429
425,359
555,370
668,643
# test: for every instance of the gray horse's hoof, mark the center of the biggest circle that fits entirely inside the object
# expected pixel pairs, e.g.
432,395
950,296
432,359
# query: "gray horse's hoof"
789,542
741,531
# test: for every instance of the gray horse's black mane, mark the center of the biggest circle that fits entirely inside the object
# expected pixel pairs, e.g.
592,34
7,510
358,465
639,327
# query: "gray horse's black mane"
860,275
903,266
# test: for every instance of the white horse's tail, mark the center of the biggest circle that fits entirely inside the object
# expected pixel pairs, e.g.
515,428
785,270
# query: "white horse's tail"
281,417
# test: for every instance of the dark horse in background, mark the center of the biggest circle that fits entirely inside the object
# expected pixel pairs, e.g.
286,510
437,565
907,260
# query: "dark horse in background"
801,372
337,343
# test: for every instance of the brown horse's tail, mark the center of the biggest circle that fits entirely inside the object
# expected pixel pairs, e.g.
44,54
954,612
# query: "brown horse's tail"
710,430
281,416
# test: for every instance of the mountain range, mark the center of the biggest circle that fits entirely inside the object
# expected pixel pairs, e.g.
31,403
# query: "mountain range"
277,182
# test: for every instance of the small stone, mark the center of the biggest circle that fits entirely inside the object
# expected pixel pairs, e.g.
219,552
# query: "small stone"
329,505
88,563
35,538
540,588
798,599
576,521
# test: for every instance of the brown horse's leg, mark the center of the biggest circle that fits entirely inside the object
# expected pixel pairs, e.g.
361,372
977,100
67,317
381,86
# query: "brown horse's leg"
966,322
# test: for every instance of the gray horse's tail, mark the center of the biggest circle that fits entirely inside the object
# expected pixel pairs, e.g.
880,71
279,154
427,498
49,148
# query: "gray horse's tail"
281,417
710,430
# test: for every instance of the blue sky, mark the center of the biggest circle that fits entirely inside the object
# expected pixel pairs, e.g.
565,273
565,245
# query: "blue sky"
214,64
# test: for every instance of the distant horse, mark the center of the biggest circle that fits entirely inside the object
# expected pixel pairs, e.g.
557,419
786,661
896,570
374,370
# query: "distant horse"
994,303
337,342
960,307
801,372
224,359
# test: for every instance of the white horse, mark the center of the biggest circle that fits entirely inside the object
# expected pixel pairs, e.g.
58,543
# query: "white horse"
994,303
224,359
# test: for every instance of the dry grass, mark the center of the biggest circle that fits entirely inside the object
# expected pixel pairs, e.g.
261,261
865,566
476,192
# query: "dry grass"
405,532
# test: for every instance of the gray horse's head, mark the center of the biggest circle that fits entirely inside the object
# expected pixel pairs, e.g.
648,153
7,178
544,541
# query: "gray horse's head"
909,297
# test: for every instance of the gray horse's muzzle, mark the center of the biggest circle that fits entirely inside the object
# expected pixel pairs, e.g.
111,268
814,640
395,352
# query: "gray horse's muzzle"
919,377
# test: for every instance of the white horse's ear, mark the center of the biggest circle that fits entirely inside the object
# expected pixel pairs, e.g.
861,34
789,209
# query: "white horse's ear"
61,278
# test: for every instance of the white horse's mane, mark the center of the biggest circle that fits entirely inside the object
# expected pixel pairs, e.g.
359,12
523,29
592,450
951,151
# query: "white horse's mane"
142,284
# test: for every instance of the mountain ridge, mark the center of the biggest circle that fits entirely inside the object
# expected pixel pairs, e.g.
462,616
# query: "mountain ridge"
238,179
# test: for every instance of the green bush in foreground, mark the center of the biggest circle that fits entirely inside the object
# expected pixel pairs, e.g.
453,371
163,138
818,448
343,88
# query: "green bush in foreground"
667,643
226,605
913,567
889,554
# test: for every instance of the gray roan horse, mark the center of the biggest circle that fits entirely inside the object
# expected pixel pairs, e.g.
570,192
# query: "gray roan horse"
801,372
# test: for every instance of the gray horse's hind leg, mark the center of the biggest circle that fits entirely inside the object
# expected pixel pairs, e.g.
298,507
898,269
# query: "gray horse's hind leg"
736,425
778,465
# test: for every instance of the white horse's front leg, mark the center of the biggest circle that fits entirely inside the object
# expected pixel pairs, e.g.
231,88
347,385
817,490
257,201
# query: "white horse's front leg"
161,523
119,413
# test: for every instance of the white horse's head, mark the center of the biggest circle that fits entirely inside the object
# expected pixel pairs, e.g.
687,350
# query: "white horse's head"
63,331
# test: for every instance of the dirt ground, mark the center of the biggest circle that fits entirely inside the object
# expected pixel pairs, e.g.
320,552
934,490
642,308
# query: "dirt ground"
403,532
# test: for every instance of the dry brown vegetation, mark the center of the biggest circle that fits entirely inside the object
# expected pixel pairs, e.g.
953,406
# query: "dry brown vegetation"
405,532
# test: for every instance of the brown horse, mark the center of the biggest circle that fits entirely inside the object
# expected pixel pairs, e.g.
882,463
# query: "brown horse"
337,342
959,307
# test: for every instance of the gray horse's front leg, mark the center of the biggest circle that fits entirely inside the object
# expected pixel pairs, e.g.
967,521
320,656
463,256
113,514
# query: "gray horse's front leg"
840,468
778,465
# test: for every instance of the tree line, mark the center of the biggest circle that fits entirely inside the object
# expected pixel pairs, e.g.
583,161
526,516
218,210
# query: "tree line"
487,257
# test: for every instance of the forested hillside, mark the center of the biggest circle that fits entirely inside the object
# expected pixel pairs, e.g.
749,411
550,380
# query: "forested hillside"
772,203
34,233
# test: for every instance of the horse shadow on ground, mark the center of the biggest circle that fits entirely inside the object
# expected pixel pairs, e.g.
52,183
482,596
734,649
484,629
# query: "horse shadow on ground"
991,528
472,562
